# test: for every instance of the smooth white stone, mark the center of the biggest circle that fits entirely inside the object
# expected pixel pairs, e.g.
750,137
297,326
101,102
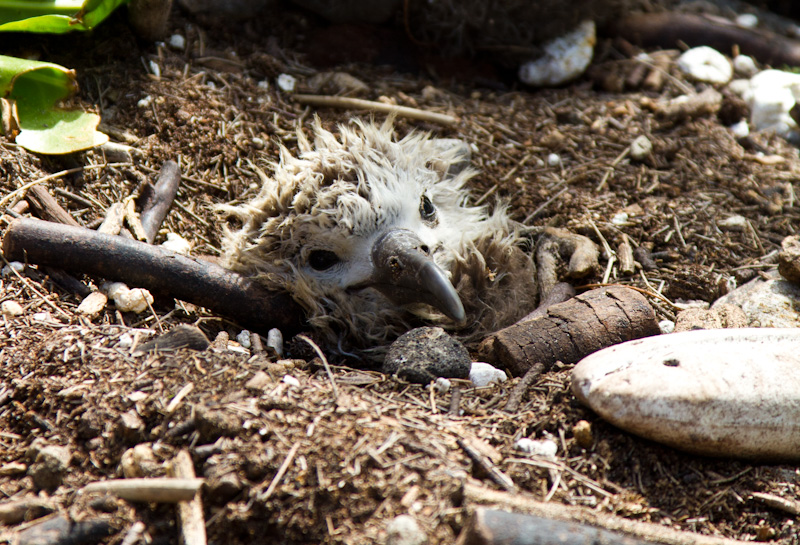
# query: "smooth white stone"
771,302
723,392
706,64
565,58
482,374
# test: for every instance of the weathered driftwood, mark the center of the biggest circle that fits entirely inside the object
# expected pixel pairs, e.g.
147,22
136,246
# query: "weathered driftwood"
670,29
155,200
573,329
475,497
190,513
494,527
152,267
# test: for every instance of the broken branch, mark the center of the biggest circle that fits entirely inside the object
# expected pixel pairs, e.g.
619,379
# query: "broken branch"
360,104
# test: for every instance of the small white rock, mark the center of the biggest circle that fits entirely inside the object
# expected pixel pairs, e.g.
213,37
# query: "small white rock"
620,218
733,223
155,69
641,148
565,58
482,374
42,316
666,326
178,244
741,129
744,65
145,102
243,338
404,530
286,83
275,341
176,41
11,309
442,385
125,340
706,64
747,20
544,447
291,381
553,159
93,303
9,269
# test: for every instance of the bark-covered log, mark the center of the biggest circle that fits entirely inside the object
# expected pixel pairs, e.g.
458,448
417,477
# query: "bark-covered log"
144,266
573,329
670,29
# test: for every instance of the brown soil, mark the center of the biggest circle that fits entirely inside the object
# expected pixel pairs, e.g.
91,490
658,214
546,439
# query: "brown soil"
372,447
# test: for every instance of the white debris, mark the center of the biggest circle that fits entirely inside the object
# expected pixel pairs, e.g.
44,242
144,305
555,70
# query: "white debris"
125,340
553,159
291,381
11,309
286,83
666,326
275,341
747,20
178,244
155,69
93,303
42,316
744,65
641,148
706,64
404,530
620,218
565,58
263,84
243,338
544,447
135,300
733,223
176,41
482,374
741,129
145,102
442,385
771,94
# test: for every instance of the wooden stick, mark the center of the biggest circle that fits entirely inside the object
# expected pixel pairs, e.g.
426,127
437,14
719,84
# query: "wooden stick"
157,490
157,269
361,104
515,397
190,513
45,206
488,466
476,496
156,200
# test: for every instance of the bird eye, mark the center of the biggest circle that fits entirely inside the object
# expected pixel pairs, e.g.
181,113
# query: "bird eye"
322,260
426,208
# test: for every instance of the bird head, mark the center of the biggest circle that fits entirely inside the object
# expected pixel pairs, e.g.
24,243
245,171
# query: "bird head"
366,232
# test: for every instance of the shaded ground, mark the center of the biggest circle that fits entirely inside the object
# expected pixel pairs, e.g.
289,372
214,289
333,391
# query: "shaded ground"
371,448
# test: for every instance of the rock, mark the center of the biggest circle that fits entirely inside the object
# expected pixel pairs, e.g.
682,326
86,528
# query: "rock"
720,317
50,466
789,259
140,461
771,95
766,303
724,392
745,65
404,530
482,374
582,432
274,344
259,381
546,448
130,427
706,64
565,58
93,304
10,309
425,353
641,148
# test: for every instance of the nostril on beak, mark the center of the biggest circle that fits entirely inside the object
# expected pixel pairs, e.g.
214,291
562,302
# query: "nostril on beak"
425,249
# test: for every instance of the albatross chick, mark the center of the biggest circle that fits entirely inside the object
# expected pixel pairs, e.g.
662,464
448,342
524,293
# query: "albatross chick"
373,236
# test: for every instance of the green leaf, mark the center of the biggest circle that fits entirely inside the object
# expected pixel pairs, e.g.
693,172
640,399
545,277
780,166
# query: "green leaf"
37,88
54,16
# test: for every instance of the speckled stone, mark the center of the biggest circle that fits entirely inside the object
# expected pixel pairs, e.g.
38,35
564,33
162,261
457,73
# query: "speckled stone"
426,353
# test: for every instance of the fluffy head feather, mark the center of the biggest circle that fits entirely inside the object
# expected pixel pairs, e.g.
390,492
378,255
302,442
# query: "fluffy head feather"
311,228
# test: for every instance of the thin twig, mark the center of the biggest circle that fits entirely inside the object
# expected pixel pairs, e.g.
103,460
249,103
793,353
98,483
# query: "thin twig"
281,472
789,506
491,470
324,362
360,104
515,398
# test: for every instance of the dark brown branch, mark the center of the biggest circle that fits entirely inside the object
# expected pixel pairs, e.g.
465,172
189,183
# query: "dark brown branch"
161,271
669,29
156,199
45,206
515,397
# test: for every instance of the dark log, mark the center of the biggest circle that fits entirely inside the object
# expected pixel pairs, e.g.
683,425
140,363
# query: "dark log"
493,527
572,330
156,200
62,531
670,29
160,271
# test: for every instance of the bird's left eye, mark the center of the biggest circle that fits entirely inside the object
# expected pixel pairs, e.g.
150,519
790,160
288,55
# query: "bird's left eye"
322,260
426,208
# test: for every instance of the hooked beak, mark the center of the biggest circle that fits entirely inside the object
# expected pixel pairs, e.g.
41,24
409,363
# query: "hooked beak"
405,273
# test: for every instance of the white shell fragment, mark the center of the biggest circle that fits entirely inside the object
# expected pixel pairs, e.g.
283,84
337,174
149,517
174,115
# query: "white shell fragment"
286,83
565,58
93,304
546,448
128,300
706,64
482,374
723,392
745,65
178,244
771,94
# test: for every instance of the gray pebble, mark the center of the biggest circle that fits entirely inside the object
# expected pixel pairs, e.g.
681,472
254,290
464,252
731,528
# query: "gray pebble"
404,530
426,353
50,467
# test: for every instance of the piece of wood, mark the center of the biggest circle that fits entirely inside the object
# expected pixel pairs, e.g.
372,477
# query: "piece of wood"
190,513
361,104
515,397
559,293
477,496
495,527
45,206
155,490
154,268
670,29
155,200
573,329
687,106
627,265
60,530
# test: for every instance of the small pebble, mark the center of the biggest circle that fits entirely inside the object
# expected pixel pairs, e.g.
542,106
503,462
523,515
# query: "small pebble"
744,65
11,309
259,381
93,304
135,300
274,343
139,461
620,218
286,83
582,432
747,20
125,340
553,159
291,381
426,353
178,244
176,41
145,102
155,69
50,467
442,385
565,58
482,374
545,447
706,64
404,530
42,316
741,129
789,259
641,148
243,338
666,326
17,266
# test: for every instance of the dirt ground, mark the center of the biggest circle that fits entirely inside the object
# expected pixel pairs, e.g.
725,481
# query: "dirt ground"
325,463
